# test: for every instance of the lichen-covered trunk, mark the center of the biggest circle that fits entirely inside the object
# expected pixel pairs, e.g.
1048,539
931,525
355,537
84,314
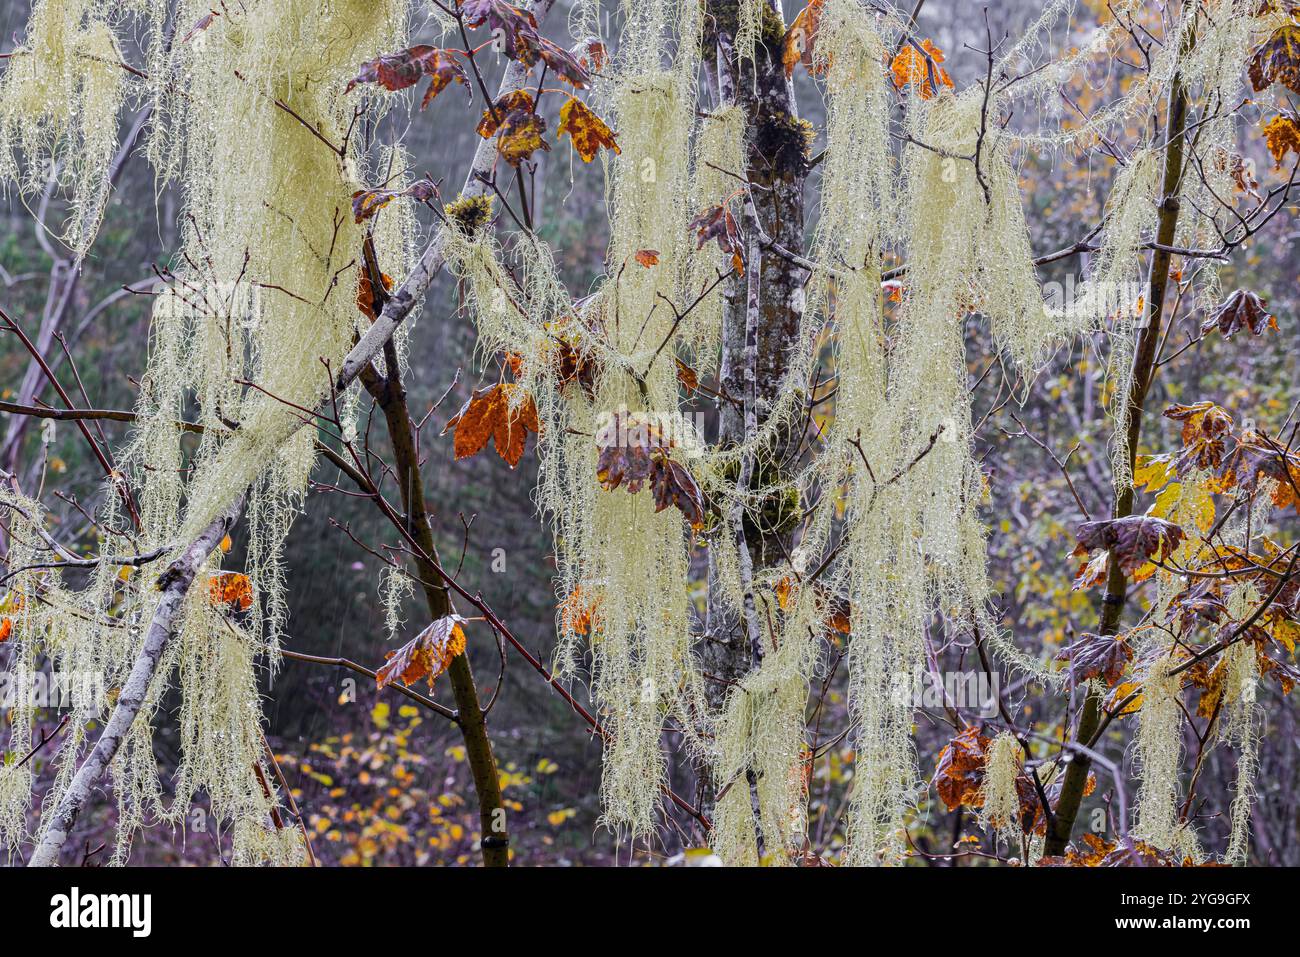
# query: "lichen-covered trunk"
777,165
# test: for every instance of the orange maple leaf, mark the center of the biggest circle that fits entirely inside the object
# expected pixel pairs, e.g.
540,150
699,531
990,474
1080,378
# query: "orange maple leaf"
801,39
580,612
231,588
427,655
503,107
1282,136
920,67
495,413
959,772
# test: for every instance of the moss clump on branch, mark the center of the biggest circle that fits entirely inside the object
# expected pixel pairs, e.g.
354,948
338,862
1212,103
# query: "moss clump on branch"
469,214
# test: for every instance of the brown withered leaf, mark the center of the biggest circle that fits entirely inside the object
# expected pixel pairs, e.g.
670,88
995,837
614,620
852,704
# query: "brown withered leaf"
493,119
1277,60
567,66
1253,456
6,629
1286,675
1282,136
201,24
367,301
1133,540
716,223
1201,601
920,67
427,655
1207,428
367,202
673,484
800,42
1242,169
574,365
1097,656
959,773
1091,572
397,71
626,444
1032,818
587,131
686,376
521,136
634,453
513,30
591,53
504,413
647,257
1241,310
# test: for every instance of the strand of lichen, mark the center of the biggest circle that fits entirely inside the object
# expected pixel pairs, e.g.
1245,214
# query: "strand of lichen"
59,103
270,249
1000,806
1157,752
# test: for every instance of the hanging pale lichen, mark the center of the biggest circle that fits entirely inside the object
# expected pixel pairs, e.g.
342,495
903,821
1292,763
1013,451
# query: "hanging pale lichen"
251,116
59,104
1157,751
1000,809
1113,289
1225,34
395,587
21,517
1240,725
588,368
631,555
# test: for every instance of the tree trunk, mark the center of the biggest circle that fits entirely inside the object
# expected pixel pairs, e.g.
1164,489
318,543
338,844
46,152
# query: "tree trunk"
777,165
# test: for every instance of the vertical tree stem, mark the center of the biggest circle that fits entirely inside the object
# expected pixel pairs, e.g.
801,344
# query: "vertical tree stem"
390,394
1144,358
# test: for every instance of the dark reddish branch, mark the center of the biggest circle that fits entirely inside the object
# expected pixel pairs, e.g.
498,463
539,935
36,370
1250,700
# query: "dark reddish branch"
105,462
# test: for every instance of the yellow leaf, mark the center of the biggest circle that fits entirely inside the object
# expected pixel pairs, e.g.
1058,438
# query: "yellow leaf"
1282,136
1153,471
427,655
587,130
1122,691
1287,633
